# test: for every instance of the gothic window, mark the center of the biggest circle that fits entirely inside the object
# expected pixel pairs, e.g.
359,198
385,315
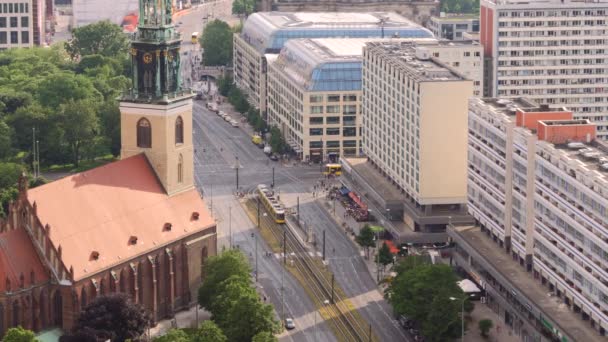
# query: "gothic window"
179,130
144,133
1,319
83,298
180,169
204,255
16,314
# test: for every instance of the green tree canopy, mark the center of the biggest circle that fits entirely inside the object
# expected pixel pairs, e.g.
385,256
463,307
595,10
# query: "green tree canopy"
243,7
365,238
59,88
209,332
80,124
100,38
219,268
5,140
174,335
9,174
460,6
277,142
384,256
484,327
423,293
264,336
19,334
216,40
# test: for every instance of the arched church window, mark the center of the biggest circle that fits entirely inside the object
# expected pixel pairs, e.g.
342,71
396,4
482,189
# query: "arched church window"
144,133
179,130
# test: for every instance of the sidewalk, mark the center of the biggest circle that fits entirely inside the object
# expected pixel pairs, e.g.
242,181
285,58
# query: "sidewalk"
500,332
184,319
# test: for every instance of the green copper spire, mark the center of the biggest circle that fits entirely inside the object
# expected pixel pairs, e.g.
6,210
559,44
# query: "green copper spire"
155,56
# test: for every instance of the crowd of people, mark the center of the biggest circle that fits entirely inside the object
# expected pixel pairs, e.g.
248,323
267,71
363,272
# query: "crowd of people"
353,209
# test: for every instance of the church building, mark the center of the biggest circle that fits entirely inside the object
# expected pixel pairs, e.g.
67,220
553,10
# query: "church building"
136,226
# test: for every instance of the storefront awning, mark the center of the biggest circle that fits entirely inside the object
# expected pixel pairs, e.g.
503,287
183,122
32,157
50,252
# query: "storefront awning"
344,191
357,200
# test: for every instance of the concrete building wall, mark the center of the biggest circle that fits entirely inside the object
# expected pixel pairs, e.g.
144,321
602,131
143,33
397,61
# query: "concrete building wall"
443,146
21,23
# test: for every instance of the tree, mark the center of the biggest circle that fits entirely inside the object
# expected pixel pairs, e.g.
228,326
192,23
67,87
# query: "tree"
277,141
5,140
173,335
384,256
113,317
80,124
217,43
102,38
19,334
58,89
224,85
365,238
243,7
412,290
484,327
264,336
209,332
218,269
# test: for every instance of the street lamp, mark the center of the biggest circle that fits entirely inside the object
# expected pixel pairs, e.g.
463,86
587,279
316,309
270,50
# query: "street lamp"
461,314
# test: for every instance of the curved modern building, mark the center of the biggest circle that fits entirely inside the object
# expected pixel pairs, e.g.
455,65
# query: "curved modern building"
267,32
314,89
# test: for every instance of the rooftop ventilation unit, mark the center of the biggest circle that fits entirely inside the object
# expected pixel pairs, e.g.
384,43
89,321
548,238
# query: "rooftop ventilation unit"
576,145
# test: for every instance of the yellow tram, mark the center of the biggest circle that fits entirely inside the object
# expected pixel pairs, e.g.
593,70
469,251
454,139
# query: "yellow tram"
272,203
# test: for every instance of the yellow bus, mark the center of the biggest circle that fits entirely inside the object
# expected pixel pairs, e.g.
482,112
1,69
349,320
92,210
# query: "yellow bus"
272,203
194,37
332,169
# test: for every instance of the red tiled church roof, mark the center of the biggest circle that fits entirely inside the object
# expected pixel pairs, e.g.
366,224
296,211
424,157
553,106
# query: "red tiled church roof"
17,257
100,210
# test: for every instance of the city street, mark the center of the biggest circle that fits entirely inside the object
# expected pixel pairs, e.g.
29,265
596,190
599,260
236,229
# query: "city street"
220,147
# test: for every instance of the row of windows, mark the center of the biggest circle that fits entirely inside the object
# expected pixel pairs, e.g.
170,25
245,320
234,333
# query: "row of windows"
14,37
332,144
553,13
15,8
144,132
331,120
333,98
346,109
346,131
14,22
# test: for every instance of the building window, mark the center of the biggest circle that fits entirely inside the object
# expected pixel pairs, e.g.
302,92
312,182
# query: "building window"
315,144
333,98
3,38
25,21
349,143
14,37
316,98
332,131
316,131
144,133
179,130
349,98
349,110
180,169
14,21
25,37
316,121
333,119
316,109
3,22
332,109
349,131
333,144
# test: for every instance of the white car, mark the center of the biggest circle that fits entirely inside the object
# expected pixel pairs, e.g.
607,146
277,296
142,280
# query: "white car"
234,123
227,118
289,325
220,113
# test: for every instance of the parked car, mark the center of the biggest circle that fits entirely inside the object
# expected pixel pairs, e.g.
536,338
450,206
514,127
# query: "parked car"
227,118
289,325
274,157
234,123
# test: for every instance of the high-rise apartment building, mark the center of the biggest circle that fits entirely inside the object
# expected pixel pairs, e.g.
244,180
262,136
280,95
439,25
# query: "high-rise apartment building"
22,23
265,33
538,185
552,51
414,115
314,89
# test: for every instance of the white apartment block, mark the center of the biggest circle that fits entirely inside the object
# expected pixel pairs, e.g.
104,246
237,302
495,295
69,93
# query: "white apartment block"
552,51
414,113
265,33
21,23
538,184
314,90
453,27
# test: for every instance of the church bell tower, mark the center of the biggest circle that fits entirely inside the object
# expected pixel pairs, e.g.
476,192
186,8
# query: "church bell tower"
156,113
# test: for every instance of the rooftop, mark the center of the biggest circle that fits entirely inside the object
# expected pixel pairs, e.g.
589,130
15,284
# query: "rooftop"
415,61
115,212
456,17
592,156
509,106
268,31
521,283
